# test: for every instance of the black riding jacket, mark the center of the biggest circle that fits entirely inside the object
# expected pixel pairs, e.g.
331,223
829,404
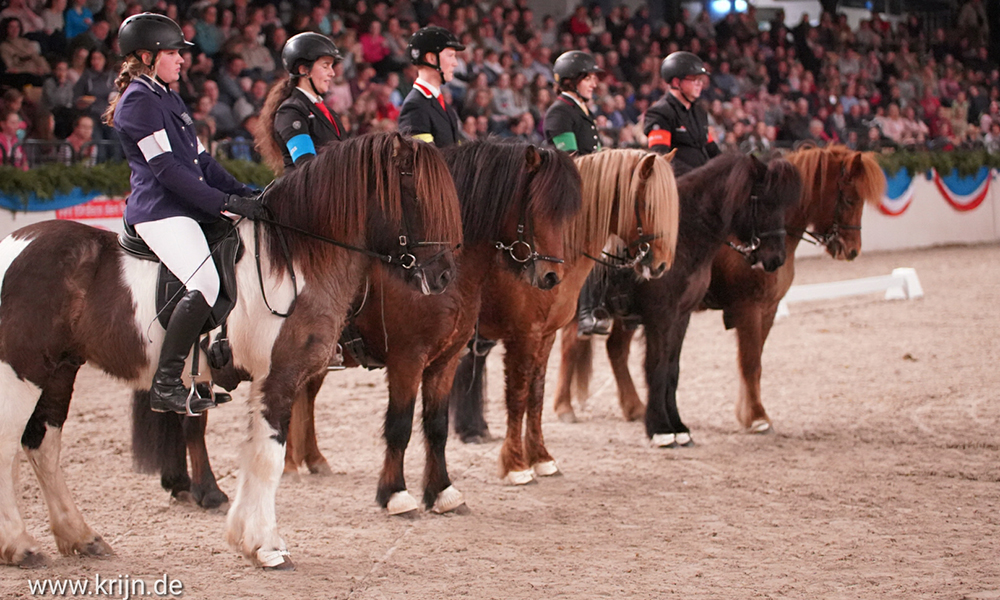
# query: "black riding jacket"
301,128
566,117
669,125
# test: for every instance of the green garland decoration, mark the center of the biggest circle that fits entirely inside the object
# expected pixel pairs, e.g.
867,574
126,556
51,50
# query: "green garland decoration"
966,162
109,179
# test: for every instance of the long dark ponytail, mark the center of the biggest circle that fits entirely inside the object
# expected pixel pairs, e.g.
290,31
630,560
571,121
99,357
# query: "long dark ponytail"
264,137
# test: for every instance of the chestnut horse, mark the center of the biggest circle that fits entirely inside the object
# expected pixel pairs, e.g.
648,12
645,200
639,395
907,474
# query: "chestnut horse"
508,191
629,196
70,295
731,195
837,184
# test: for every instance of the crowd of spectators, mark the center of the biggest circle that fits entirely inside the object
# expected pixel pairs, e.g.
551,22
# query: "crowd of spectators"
881,85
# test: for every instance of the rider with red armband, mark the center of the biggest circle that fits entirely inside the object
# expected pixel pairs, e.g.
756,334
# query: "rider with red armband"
676,122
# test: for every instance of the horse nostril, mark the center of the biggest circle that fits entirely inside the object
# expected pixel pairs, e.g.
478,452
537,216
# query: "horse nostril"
445,278
660,270
550,280
852,254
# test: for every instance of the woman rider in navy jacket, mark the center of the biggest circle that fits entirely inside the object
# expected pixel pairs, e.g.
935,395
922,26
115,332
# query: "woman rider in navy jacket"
296,122
175,184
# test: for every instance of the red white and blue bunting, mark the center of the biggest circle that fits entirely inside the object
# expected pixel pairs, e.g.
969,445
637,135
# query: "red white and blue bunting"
962,193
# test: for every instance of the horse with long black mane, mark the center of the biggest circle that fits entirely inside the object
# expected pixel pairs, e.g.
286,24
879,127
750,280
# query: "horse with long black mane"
70,295
838,182
629,196
730,196
516,203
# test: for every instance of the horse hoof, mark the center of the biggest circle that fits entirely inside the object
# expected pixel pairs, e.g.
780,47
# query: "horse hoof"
684,439
760,426
546,469
402,503
448,500
214,499
33,560
320,469
476,438
663,440
96,548
568,417
291,476
520,477
274,560
636,414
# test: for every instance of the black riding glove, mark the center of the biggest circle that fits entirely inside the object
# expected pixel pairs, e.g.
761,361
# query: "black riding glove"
245,206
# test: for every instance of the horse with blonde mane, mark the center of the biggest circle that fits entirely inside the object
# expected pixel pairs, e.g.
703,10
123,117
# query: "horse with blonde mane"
630,199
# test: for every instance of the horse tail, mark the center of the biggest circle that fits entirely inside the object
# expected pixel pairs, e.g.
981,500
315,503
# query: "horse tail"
158,444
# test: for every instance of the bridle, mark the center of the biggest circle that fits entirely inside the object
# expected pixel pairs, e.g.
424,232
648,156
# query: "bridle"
522,250
747,249
637,252
833,234
405,258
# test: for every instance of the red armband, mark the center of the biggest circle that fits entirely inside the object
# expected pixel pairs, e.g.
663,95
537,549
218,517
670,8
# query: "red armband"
659,137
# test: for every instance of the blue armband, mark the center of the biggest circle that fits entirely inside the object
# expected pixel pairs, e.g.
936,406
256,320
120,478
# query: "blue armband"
301,145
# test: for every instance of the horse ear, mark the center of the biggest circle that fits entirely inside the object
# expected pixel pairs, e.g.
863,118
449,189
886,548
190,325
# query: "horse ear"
670,155
646,166
401,146
857,167
532,159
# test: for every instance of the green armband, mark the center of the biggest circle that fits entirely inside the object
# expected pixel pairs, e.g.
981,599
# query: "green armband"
565,142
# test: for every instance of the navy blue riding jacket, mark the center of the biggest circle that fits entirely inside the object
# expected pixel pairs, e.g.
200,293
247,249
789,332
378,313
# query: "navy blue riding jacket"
172,174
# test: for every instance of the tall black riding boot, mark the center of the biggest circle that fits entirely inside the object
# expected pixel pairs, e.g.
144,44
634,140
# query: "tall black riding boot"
592,316
168,393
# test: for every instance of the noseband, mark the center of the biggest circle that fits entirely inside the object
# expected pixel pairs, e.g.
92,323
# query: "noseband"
747,249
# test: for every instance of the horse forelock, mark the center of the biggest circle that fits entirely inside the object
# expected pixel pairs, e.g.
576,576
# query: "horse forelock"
555,187
660,201
490,177
607,182
784,183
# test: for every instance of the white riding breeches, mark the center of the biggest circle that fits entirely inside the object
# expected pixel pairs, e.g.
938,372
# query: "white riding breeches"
180,245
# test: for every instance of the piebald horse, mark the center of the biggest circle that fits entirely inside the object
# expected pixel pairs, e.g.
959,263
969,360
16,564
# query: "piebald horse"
70,296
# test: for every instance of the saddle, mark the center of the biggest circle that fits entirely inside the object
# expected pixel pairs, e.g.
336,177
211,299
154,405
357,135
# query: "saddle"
226,248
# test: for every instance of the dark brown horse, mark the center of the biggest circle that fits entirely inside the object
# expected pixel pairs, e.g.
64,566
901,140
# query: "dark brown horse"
70,295
731,196
629,196
837,184
508,192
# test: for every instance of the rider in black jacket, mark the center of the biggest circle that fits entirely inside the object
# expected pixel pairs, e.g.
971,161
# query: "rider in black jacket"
676,121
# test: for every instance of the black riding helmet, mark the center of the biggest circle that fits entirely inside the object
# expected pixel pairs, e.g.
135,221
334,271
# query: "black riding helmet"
305,49
681,65
574,65
434,40
152,32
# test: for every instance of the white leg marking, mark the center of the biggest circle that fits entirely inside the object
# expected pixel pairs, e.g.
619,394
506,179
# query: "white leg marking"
520,477
448,500
545,469
683,438
663,440
760,426
17,401
401,502
71,532
252,525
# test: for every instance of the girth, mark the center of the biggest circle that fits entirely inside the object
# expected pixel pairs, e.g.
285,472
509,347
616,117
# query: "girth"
226,249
